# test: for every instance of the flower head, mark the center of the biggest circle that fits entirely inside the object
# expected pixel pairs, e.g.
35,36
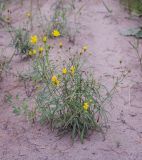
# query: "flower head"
85,48
72,69
55,80
56,33
44,39
40,49
60,44
28,14
32,52
85,106
64,71
34,39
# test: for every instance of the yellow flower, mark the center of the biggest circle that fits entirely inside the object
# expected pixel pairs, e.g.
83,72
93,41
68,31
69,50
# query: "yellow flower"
34,52
64,71
44,39
55,80
60,44
34,39
40,49
72,69
85,106
28,14
56,33
30,53
85,48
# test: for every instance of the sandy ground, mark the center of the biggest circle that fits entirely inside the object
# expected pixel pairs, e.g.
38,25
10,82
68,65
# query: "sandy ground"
100,30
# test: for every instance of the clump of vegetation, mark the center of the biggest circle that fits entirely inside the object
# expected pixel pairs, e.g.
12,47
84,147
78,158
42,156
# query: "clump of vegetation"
2,66
136,47
5,15
20,41
133,6
67,97
59,19
5,63
70,98
2,9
